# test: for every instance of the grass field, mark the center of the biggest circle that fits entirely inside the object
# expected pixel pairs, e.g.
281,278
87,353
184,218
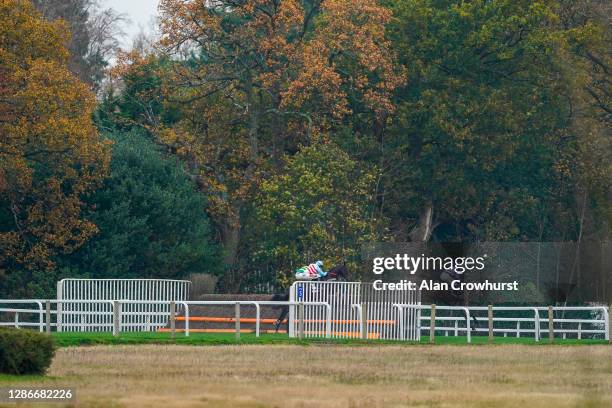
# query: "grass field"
78,339
330,375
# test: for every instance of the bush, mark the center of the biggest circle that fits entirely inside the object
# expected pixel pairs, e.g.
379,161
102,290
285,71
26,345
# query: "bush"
25,351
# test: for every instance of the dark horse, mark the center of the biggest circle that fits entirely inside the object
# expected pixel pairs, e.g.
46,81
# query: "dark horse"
337,273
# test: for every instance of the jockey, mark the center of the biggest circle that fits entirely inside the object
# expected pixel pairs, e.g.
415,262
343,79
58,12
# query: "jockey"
312,271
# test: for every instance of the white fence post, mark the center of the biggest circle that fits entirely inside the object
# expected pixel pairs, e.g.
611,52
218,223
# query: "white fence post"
301,322
173,319
490,318
48,316
607,322
364,321
59,308
467,324
551,324
186,318
257,318
237,319
432,325
536,322
328,317
116,318
400,318
40,316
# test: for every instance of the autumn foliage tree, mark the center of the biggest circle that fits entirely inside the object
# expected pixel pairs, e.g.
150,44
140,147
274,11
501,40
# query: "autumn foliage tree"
473,120
50,152
258,78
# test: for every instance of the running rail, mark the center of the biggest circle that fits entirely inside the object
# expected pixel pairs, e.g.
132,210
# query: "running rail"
400,309
115,310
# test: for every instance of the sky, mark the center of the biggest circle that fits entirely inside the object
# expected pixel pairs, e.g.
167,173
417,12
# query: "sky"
140,13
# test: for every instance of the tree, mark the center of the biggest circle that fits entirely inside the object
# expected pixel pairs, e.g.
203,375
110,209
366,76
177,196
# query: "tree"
588,69
321,206
50,152
151,219
481,134
256,79
75,14
94,35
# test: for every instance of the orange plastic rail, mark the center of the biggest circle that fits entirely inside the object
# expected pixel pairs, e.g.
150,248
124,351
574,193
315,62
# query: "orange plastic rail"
272,321
166,330
318,333
226,319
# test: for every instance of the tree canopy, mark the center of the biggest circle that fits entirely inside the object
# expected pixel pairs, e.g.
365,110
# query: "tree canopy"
321,206
467,117
151,219
50,151
261,134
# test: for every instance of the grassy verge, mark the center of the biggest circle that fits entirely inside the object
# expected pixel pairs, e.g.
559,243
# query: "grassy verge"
80,339
295,376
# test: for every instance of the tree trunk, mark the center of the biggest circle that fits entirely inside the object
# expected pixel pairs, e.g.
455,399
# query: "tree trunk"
230,238
425,225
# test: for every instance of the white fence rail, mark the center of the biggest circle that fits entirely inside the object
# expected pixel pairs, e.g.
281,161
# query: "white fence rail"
314,317
118,316
75,315
357,308
465,321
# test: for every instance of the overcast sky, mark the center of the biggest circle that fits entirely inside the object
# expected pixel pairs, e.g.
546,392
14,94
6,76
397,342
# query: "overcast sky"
140,13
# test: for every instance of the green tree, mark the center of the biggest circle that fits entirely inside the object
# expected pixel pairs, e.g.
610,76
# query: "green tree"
481,134
320,207
151,218
151,223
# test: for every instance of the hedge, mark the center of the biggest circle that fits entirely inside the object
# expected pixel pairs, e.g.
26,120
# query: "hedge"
25,351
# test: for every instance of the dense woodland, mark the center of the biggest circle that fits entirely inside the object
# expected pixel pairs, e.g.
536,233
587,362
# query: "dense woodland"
249,137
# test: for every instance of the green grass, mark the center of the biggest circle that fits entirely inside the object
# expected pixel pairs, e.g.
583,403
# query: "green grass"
9,378
204,339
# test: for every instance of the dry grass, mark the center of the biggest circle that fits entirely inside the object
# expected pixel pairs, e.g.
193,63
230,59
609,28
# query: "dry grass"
337,376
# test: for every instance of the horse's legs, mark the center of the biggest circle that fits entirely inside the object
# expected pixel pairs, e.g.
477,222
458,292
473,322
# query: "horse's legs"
284,311
280,319
476,325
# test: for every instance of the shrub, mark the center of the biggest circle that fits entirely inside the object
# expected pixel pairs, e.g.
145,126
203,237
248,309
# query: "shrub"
25,351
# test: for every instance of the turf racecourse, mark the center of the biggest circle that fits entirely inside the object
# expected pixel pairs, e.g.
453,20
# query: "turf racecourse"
203,339
317,374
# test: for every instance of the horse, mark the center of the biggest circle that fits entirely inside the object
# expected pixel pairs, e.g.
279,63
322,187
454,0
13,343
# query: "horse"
337,273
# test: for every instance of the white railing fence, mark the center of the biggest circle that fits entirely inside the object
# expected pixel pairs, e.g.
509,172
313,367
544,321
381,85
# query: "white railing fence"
518,321
118,316
126,315
357,308
73,314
